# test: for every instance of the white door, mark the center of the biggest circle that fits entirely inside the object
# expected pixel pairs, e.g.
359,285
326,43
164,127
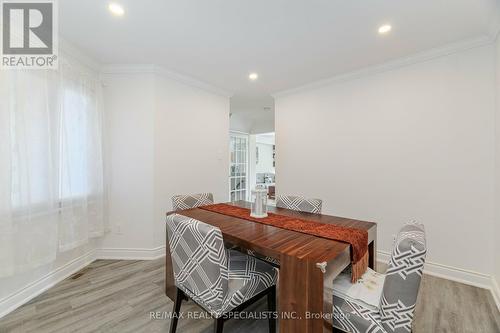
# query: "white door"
238,168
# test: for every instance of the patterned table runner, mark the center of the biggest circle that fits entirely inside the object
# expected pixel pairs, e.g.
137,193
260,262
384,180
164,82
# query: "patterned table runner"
357,238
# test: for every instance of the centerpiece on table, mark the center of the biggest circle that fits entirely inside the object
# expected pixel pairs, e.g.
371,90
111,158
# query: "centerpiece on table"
259,202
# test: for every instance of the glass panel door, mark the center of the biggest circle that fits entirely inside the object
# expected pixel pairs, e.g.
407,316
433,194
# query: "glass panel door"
238,167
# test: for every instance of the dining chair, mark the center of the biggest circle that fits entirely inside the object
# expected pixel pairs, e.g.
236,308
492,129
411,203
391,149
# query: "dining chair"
383,302
219,280
294,203
180,202
301,204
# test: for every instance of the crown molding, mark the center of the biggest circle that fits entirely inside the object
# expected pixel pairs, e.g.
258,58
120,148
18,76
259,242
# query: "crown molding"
71,52
123,69
118,69
391,65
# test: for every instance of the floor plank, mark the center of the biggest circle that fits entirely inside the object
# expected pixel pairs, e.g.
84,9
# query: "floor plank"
120,296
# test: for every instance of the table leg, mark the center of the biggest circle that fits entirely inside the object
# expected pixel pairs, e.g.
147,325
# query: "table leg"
372,253
372,247
300,296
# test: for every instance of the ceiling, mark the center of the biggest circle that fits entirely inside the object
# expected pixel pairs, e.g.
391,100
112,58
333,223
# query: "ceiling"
252,114
288,42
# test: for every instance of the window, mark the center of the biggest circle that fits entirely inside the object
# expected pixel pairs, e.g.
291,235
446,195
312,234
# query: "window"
26,140
51,175
238,175
51,145
74,154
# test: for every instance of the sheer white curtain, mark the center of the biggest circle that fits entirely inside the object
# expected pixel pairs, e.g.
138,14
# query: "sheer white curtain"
51,170
80,160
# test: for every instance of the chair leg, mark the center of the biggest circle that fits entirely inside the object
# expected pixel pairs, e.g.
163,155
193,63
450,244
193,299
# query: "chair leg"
271,307
177,308
218,325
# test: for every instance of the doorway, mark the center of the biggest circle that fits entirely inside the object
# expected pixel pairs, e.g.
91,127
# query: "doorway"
252,146
263,163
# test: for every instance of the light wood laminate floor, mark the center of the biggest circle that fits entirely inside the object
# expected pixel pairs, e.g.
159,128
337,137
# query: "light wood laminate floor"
119,296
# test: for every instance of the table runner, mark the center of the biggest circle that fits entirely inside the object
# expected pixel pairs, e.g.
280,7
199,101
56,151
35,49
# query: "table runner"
357,238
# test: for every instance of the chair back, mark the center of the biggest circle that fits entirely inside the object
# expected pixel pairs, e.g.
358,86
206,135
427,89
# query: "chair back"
402,281
180,202
199,259
299,203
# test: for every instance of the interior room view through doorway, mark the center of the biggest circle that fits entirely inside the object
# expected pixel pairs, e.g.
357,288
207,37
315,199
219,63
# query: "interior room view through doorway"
263,168
252,147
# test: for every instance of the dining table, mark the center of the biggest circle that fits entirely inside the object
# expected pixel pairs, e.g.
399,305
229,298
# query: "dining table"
308,263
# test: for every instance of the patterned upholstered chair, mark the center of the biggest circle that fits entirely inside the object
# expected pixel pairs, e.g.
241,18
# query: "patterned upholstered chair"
217,279
180,202
299,203
293,203
391,303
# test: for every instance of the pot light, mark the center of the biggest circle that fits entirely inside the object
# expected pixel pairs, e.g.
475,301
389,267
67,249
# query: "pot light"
253,76
383,29
116,9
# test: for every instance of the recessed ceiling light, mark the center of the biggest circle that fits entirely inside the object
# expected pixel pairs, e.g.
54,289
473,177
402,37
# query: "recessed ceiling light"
384,29
116,9
253,76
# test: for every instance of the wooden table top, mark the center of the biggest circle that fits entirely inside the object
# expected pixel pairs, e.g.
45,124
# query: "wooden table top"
273,241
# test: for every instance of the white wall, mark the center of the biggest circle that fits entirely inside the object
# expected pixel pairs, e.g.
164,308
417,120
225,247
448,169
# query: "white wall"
191,146
265,162
411,143
129,101
263,123
252,164
497,174
165,138
267,138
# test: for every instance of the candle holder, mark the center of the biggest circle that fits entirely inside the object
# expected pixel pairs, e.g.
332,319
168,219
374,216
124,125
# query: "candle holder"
259,202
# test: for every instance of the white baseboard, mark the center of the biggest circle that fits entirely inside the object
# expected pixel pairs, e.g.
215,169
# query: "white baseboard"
495,290
24,295
464,276
130,253
37,287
